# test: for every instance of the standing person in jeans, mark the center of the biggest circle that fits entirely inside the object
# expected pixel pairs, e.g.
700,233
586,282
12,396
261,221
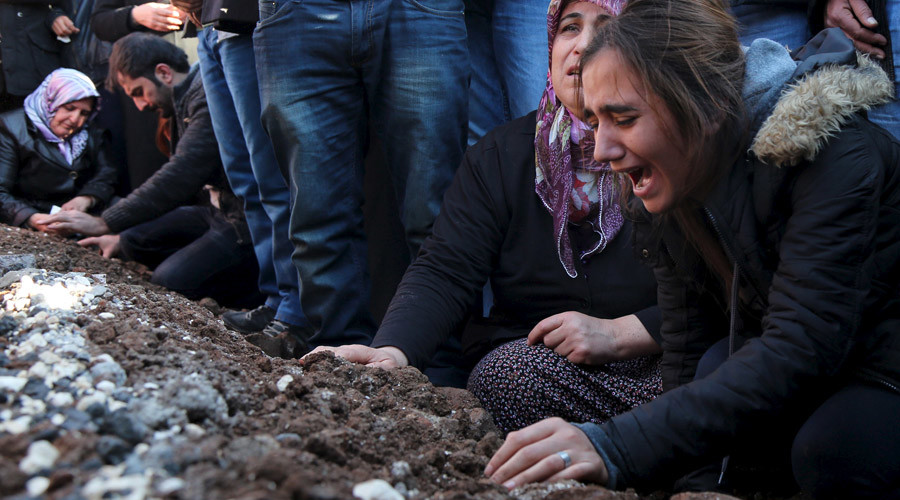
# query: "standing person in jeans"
508,52
327,69
228,68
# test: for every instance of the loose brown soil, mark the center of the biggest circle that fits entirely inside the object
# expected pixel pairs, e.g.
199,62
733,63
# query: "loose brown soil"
310,432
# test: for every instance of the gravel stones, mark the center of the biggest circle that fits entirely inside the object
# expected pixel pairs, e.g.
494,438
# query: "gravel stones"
41,455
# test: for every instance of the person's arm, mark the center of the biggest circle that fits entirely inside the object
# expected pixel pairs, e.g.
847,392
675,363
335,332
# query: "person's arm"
816,303
177,182
438,289
101,185
584,339
112,19
13,211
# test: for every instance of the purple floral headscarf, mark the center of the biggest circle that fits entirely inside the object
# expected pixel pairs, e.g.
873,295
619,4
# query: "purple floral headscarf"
61,87
568,181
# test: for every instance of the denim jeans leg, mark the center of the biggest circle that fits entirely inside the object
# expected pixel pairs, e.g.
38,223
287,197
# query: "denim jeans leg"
239,67
888,115
520,48
487,100
786,24
236,159
313,108
421,108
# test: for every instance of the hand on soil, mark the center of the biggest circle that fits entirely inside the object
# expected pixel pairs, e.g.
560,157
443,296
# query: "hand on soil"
531,454
108,244
71,221
381,357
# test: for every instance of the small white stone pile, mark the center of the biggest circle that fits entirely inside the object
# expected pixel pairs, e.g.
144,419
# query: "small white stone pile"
69,384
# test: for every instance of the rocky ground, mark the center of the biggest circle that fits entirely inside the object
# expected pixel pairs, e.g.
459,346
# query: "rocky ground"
111,387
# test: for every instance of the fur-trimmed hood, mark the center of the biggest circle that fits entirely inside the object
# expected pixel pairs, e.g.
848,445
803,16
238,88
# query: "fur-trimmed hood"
818,94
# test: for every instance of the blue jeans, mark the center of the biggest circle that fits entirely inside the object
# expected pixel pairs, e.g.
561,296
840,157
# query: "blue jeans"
888,115
508,49
232,92
327,69
785,23
195,251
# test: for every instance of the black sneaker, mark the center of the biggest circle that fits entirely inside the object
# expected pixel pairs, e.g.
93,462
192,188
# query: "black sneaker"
282,340
252,321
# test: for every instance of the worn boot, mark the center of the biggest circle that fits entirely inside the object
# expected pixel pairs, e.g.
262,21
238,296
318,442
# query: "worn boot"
282,340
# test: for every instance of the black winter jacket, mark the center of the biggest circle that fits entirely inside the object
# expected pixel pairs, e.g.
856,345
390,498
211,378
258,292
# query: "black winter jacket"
34,176
29,50
810,217
194,164
492,225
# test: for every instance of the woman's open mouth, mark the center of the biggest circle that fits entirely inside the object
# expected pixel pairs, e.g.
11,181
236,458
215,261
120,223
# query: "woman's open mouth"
638,176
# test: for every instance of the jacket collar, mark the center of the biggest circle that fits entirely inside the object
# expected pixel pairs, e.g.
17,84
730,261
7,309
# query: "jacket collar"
831,83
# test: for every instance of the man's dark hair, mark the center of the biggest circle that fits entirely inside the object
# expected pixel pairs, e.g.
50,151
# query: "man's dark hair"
137,55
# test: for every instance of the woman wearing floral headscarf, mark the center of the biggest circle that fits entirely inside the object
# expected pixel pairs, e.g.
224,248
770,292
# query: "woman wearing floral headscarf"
50,156
571,330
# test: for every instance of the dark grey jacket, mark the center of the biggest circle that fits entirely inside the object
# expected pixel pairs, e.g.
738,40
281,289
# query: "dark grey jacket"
811,220
194,163
34,176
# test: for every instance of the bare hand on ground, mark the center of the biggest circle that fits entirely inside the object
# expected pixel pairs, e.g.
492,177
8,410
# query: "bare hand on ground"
63,26
108,244
71,221
532,454
382,357
158,16
36,222
78,204
854,18
584,339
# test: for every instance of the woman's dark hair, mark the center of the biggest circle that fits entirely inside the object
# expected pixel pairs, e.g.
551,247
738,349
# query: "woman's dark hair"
687,53
137,55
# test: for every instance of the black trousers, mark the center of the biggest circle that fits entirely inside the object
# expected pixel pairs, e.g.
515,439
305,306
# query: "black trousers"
193,250
842,445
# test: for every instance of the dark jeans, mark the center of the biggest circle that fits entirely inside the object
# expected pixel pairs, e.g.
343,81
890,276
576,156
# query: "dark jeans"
194,251
326,68
232,93
847,447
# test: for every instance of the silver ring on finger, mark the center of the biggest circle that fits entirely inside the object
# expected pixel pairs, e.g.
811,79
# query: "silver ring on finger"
567,460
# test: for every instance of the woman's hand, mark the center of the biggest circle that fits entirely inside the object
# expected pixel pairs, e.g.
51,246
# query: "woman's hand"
78,204
71,221
108,244
583,339
854,18
533,454
63,26
38,222
158,16
379,357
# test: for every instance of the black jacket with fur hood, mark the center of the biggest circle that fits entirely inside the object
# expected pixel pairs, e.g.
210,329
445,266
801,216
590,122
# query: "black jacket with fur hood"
810,218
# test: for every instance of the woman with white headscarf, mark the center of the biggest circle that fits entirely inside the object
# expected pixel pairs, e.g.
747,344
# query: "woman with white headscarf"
50,155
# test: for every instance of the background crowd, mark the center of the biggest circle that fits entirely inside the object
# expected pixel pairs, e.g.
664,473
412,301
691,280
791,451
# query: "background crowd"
293,160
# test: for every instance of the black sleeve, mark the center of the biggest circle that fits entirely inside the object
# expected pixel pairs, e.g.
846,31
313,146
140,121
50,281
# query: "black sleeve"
454,263
111,20
102,184
13,211
194,162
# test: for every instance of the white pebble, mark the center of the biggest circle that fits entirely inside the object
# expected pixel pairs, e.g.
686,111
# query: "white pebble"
87,401
39,370
36,486
284,382
107,315
57,419
60,399
151,386
376,489
12,384
41,455
17,426
169,486
106,386
115,405
49,357
194,431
